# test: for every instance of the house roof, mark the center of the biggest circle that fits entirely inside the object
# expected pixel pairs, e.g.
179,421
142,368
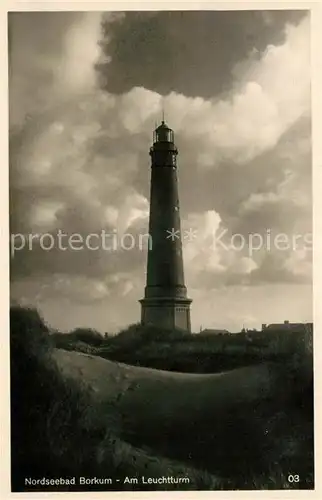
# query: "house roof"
214,330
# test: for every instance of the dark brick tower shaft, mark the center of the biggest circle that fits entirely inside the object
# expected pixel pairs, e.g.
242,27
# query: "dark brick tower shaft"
165,303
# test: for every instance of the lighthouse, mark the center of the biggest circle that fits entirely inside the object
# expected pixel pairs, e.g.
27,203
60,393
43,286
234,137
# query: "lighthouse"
165,303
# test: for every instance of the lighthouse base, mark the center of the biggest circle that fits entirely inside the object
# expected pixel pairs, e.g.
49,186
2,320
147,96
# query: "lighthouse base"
166,312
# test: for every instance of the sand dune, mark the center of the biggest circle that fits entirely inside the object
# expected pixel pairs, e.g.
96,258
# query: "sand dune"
166,395
214,421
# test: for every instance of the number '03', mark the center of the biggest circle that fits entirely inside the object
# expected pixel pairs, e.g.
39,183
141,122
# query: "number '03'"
293,478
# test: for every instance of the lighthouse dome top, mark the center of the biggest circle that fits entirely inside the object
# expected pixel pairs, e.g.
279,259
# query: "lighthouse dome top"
163,126
163,133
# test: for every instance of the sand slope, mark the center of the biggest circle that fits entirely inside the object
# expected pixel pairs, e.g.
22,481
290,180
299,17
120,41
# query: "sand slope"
165,395
217,422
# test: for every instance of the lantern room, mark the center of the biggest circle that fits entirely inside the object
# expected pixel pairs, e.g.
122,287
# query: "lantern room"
163,133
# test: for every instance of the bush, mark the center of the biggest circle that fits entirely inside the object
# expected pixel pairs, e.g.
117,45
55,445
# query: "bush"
88,335
137,335
45,408
28,332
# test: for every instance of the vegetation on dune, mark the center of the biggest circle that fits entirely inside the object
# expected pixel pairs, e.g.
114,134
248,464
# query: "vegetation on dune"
240,425
49,416
78,337
176,350
61,428
57,429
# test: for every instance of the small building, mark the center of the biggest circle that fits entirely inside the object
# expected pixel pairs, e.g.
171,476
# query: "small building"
286,327
214,331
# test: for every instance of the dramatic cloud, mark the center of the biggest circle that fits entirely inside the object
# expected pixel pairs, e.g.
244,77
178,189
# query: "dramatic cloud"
79,157
194,53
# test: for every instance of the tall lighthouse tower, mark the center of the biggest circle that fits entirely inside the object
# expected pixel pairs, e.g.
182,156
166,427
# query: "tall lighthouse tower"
165,303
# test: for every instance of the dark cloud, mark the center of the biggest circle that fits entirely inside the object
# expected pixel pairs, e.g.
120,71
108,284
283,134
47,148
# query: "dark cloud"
191,52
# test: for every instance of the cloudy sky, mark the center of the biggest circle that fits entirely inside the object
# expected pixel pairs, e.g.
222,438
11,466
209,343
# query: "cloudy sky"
86,90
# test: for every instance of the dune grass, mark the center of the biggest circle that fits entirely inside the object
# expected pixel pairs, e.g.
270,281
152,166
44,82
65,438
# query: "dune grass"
59,430
237,425
76,414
